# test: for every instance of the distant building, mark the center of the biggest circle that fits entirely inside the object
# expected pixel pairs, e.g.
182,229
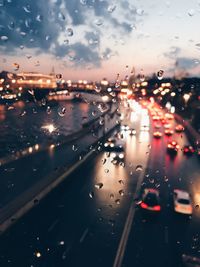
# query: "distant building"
35,80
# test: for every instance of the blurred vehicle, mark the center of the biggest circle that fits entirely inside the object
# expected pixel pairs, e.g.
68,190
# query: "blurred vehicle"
169,116
125,127
190,261
156,118
169,132
157,134
150,200
157,126
198,151
188,150
164,121
117,153
132,131
109,144
172,147
182,202
179,128
167,125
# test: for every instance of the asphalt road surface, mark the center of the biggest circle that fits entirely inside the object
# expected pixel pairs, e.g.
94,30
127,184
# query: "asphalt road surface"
82,223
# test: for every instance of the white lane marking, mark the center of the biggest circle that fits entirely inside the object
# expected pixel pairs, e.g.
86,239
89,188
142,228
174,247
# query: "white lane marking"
127,227
51,227
166,235
84,235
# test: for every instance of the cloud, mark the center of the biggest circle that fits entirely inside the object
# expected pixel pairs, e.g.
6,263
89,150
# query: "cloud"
39,25
173,52
186,63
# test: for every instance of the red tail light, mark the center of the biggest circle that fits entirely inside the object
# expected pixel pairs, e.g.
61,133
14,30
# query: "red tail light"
143,205
157,208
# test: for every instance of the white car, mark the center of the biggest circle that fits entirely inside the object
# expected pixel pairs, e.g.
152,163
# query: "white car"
182,202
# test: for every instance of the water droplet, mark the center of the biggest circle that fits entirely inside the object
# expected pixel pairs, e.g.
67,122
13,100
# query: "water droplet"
99,185
27,9
70,32
138,168
103,161
23,113
97,89
117,201
11,25
66,41
28,56
61,16
91,194
157,185
16,66
62,111
160,74
111,8
140,11
43,102
4,38
83,2
61,243
121,192
74,147
111,196
98,22
39,18
142,77
191,12
151,180
38,254
101,121
166,178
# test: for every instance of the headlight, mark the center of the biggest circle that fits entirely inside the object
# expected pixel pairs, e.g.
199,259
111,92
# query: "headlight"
113,155
121,155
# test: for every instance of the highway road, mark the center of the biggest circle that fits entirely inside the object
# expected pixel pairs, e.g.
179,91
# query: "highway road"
93,219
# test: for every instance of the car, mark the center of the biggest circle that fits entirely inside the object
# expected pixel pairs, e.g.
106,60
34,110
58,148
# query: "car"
179,128
156,118
157,126
150,200
117,153
182,202
132,131
169,132
125,127
167,125
188,150
157,134
172,147
169,116
109,143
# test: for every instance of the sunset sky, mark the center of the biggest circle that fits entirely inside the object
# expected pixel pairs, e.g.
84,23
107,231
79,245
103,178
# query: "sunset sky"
92,39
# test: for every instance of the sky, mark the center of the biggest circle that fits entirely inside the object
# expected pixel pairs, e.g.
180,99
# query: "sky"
93,39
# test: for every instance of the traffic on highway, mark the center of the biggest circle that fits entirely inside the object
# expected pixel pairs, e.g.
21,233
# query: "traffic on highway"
136,203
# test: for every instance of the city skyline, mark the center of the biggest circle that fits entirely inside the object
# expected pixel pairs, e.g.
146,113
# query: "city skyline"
95,39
